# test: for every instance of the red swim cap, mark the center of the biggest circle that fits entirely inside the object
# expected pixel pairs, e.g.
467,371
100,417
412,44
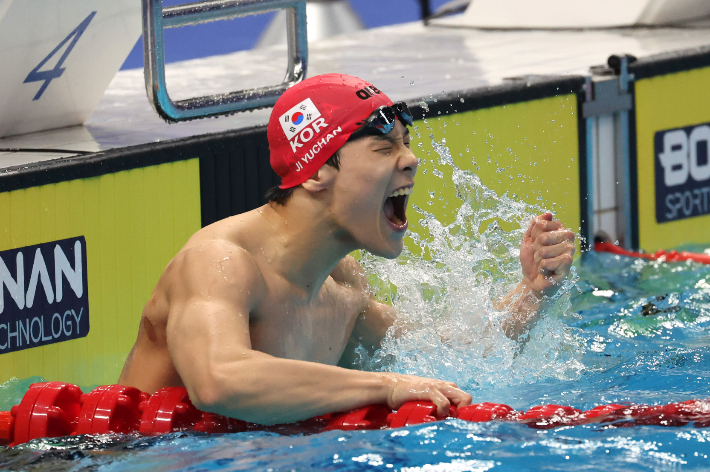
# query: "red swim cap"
313,119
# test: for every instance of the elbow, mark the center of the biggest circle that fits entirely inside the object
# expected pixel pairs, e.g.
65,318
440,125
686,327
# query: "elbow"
210,392
207,397
216,391
237,405
213,395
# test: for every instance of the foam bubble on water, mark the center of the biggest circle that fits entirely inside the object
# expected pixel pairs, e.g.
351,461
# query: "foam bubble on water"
446,287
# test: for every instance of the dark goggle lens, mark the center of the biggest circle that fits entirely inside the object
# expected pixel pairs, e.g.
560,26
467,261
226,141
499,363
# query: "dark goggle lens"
384,118
403,111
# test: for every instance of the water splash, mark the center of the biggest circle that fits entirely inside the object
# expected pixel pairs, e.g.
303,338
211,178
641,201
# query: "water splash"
447,285
12,391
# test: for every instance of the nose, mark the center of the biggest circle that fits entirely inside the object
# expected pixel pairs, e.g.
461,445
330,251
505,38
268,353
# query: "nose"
408,162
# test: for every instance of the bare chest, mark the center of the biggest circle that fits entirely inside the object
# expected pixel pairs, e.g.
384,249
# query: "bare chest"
317,331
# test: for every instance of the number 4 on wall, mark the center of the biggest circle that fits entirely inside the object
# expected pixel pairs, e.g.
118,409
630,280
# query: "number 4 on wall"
38,75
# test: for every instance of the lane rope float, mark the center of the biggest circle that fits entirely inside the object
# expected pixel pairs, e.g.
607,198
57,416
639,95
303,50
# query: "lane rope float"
54,409
662,255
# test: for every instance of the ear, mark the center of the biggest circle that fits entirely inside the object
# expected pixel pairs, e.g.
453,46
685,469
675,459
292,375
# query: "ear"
323,179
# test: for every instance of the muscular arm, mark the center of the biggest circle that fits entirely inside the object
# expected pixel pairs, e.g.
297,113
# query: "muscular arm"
208,339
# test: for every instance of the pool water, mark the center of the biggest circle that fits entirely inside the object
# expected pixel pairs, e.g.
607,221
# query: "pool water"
620,330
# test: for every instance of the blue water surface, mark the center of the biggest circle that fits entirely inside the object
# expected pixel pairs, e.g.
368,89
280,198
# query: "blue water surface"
644,326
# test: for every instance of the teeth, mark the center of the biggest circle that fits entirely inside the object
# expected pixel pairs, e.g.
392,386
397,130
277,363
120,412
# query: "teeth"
401,191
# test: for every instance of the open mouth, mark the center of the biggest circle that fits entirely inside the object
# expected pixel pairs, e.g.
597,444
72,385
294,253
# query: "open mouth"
395,207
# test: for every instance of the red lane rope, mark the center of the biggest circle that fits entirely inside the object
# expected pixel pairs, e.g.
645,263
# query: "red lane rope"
670,256
52,409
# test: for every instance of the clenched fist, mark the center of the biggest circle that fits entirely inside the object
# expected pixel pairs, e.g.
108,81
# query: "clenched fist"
546,254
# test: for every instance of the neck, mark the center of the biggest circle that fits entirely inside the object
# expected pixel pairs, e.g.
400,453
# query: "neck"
306,242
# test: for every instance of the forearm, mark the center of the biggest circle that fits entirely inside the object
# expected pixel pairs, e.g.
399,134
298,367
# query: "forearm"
268,390
523,306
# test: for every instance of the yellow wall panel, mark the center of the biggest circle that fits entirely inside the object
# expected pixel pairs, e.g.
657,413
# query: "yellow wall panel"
134,222
662,103
529,150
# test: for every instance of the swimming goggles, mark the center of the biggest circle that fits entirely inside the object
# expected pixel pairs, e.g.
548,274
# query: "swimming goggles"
384,118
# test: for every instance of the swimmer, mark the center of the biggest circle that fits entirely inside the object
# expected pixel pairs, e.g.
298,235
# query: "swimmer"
256,312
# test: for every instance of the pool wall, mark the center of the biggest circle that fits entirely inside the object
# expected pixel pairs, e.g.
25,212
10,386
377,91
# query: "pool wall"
672,96
133,222
529,150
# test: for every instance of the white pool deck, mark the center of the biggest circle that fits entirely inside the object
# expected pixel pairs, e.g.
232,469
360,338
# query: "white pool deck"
408,62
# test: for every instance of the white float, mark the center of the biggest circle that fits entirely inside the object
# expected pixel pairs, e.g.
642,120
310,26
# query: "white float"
58,57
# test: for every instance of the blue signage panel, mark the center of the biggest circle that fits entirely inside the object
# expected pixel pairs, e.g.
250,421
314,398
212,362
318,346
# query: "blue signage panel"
682,172
44,296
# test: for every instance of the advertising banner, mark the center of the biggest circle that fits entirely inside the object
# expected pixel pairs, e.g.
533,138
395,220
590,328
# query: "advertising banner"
44,295
682,172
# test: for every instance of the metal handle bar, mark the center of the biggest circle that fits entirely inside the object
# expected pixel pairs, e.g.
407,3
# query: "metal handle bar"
155,19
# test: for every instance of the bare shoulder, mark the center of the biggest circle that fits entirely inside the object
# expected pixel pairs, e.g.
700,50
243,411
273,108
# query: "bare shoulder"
216,268
348,272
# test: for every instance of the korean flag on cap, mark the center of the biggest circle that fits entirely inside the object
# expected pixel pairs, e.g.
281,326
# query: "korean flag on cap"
298,117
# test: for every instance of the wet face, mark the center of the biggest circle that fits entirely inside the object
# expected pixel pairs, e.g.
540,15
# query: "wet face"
371,191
